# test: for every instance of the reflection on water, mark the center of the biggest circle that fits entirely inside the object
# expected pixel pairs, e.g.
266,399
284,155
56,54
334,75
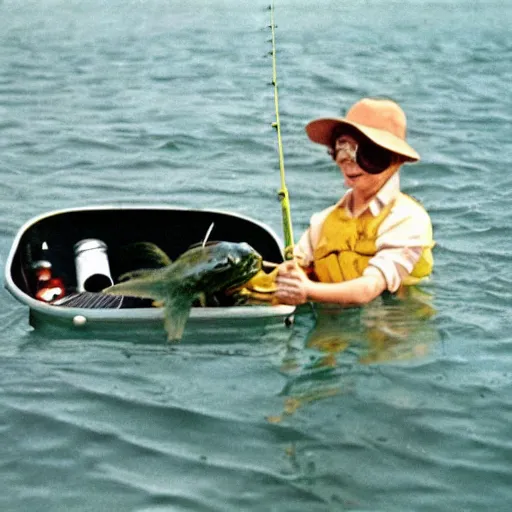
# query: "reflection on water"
390,329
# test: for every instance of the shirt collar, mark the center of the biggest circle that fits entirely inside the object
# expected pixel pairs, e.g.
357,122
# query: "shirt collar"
385,195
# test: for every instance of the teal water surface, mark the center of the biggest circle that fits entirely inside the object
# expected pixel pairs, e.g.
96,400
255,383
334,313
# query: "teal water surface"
405,404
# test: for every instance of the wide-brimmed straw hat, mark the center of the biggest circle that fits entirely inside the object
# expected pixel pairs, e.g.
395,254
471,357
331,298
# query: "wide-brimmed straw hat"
382,121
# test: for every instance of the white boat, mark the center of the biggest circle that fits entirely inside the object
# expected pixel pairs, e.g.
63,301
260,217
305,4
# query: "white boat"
172,229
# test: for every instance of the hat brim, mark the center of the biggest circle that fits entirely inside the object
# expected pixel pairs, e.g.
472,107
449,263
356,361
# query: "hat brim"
320,131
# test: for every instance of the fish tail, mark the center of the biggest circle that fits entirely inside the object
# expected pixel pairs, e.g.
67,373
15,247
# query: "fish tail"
176,313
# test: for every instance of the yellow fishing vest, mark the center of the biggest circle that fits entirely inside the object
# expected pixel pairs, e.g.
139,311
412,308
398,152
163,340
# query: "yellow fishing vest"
347,244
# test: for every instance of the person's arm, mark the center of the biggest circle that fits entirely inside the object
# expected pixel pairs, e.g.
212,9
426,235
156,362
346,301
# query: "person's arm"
294,287
356,291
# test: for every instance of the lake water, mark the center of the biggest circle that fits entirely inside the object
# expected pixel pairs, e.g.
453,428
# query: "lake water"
403,405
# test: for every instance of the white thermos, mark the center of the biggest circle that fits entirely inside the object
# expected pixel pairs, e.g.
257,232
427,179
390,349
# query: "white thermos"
92,267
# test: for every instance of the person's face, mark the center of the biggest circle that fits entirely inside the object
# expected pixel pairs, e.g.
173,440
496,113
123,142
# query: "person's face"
363,172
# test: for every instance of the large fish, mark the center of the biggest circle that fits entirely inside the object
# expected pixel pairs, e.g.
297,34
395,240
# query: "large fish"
204,269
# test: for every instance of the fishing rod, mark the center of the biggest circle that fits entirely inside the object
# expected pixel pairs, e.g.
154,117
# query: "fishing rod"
283,195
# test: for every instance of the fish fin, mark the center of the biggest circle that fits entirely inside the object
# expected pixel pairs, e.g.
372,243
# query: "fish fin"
135,274
151,286
148,252
176,314
202,299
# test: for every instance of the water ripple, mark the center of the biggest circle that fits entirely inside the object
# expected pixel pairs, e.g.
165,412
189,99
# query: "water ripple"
402,406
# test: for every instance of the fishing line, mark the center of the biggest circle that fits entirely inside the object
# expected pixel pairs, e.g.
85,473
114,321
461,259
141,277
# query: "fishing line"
283,195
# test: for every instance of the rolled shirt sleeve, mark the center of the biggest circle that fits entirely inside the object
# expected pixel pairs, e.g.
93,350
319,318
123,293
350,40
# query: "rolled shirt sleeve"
303,251
394,265
400,242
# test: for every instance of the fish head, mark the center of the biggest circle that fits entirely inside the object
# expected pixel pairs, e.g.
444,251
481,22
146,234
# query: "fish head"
220,266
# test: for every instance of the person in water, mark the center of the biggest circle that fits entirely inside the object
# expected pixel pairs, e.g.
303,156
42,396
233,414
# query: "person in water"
375,238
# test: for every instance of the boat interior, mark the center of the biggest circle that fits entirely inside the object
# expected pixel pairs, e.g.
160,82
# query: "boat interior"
173,230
